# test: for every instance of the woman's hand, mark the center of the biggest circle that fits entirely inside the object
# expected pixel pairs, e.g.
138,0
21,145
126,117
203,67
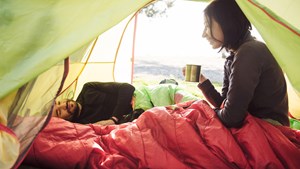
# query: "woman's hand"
202,78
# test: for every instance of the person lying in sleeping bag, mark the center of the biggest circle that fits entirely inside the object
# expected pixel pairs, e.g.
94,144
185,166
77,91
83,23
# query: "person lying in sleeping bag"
125,104
103,103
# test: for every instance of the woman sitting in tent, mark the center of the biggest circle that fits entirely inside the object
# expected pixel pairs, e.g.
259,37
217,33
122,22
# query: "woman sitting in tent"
253,80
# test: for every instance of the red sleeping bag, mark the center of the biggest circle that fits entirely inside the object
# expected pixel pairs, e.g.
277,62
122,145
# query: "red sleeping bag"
167,137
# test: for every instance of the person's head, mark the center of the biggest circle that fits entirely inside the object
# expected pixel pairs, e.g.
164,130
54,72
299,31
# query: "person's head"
225,24
169,81
66,109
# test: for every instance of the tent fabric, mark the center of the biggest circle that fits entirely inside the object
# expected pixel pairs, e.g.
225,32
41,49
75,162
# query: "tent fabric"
294,123
8,155
33,101
37,32
167,137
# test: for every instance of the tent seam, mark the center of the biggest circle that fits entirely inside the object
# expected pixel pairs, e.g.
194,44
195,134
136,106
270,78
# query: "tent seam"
274,17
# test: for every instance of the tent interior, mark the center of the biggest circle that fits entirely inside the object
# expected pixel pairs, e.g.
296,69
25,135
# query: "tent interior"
49,51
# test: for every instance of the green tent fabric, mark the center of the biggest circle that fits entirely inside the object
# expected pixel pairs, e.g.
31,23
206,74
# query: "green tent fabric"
35,35
295,124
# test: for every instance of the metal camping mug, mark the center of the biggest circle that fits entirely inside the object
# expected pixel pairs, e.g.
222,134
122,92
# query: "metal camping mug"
192,73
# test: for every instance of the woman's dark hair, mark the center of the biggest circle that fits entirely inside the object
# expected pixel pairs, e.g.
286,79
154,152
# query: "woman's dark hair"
231,19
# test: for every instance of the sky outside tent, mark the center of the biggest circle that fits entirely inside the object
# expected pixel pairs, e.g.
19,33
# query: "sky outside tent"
164,44
177,35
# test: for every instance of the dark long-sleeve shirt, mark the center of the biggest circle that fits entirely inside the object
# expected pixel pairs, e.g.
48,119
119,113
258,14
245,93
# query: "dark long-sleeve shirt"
253,82
102,100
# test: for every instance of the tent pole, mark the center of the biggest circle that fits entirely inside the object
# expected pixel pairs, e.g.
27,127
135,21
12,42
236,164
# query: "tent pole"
133,46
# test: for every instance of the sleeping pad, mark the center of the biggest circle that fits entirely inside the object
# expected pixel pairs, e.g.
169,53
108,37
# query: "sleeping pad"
186,135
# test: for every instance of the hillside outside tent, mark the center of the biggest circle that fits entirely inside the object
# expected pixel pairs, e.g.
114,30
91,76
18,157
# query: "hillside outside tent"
37,36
